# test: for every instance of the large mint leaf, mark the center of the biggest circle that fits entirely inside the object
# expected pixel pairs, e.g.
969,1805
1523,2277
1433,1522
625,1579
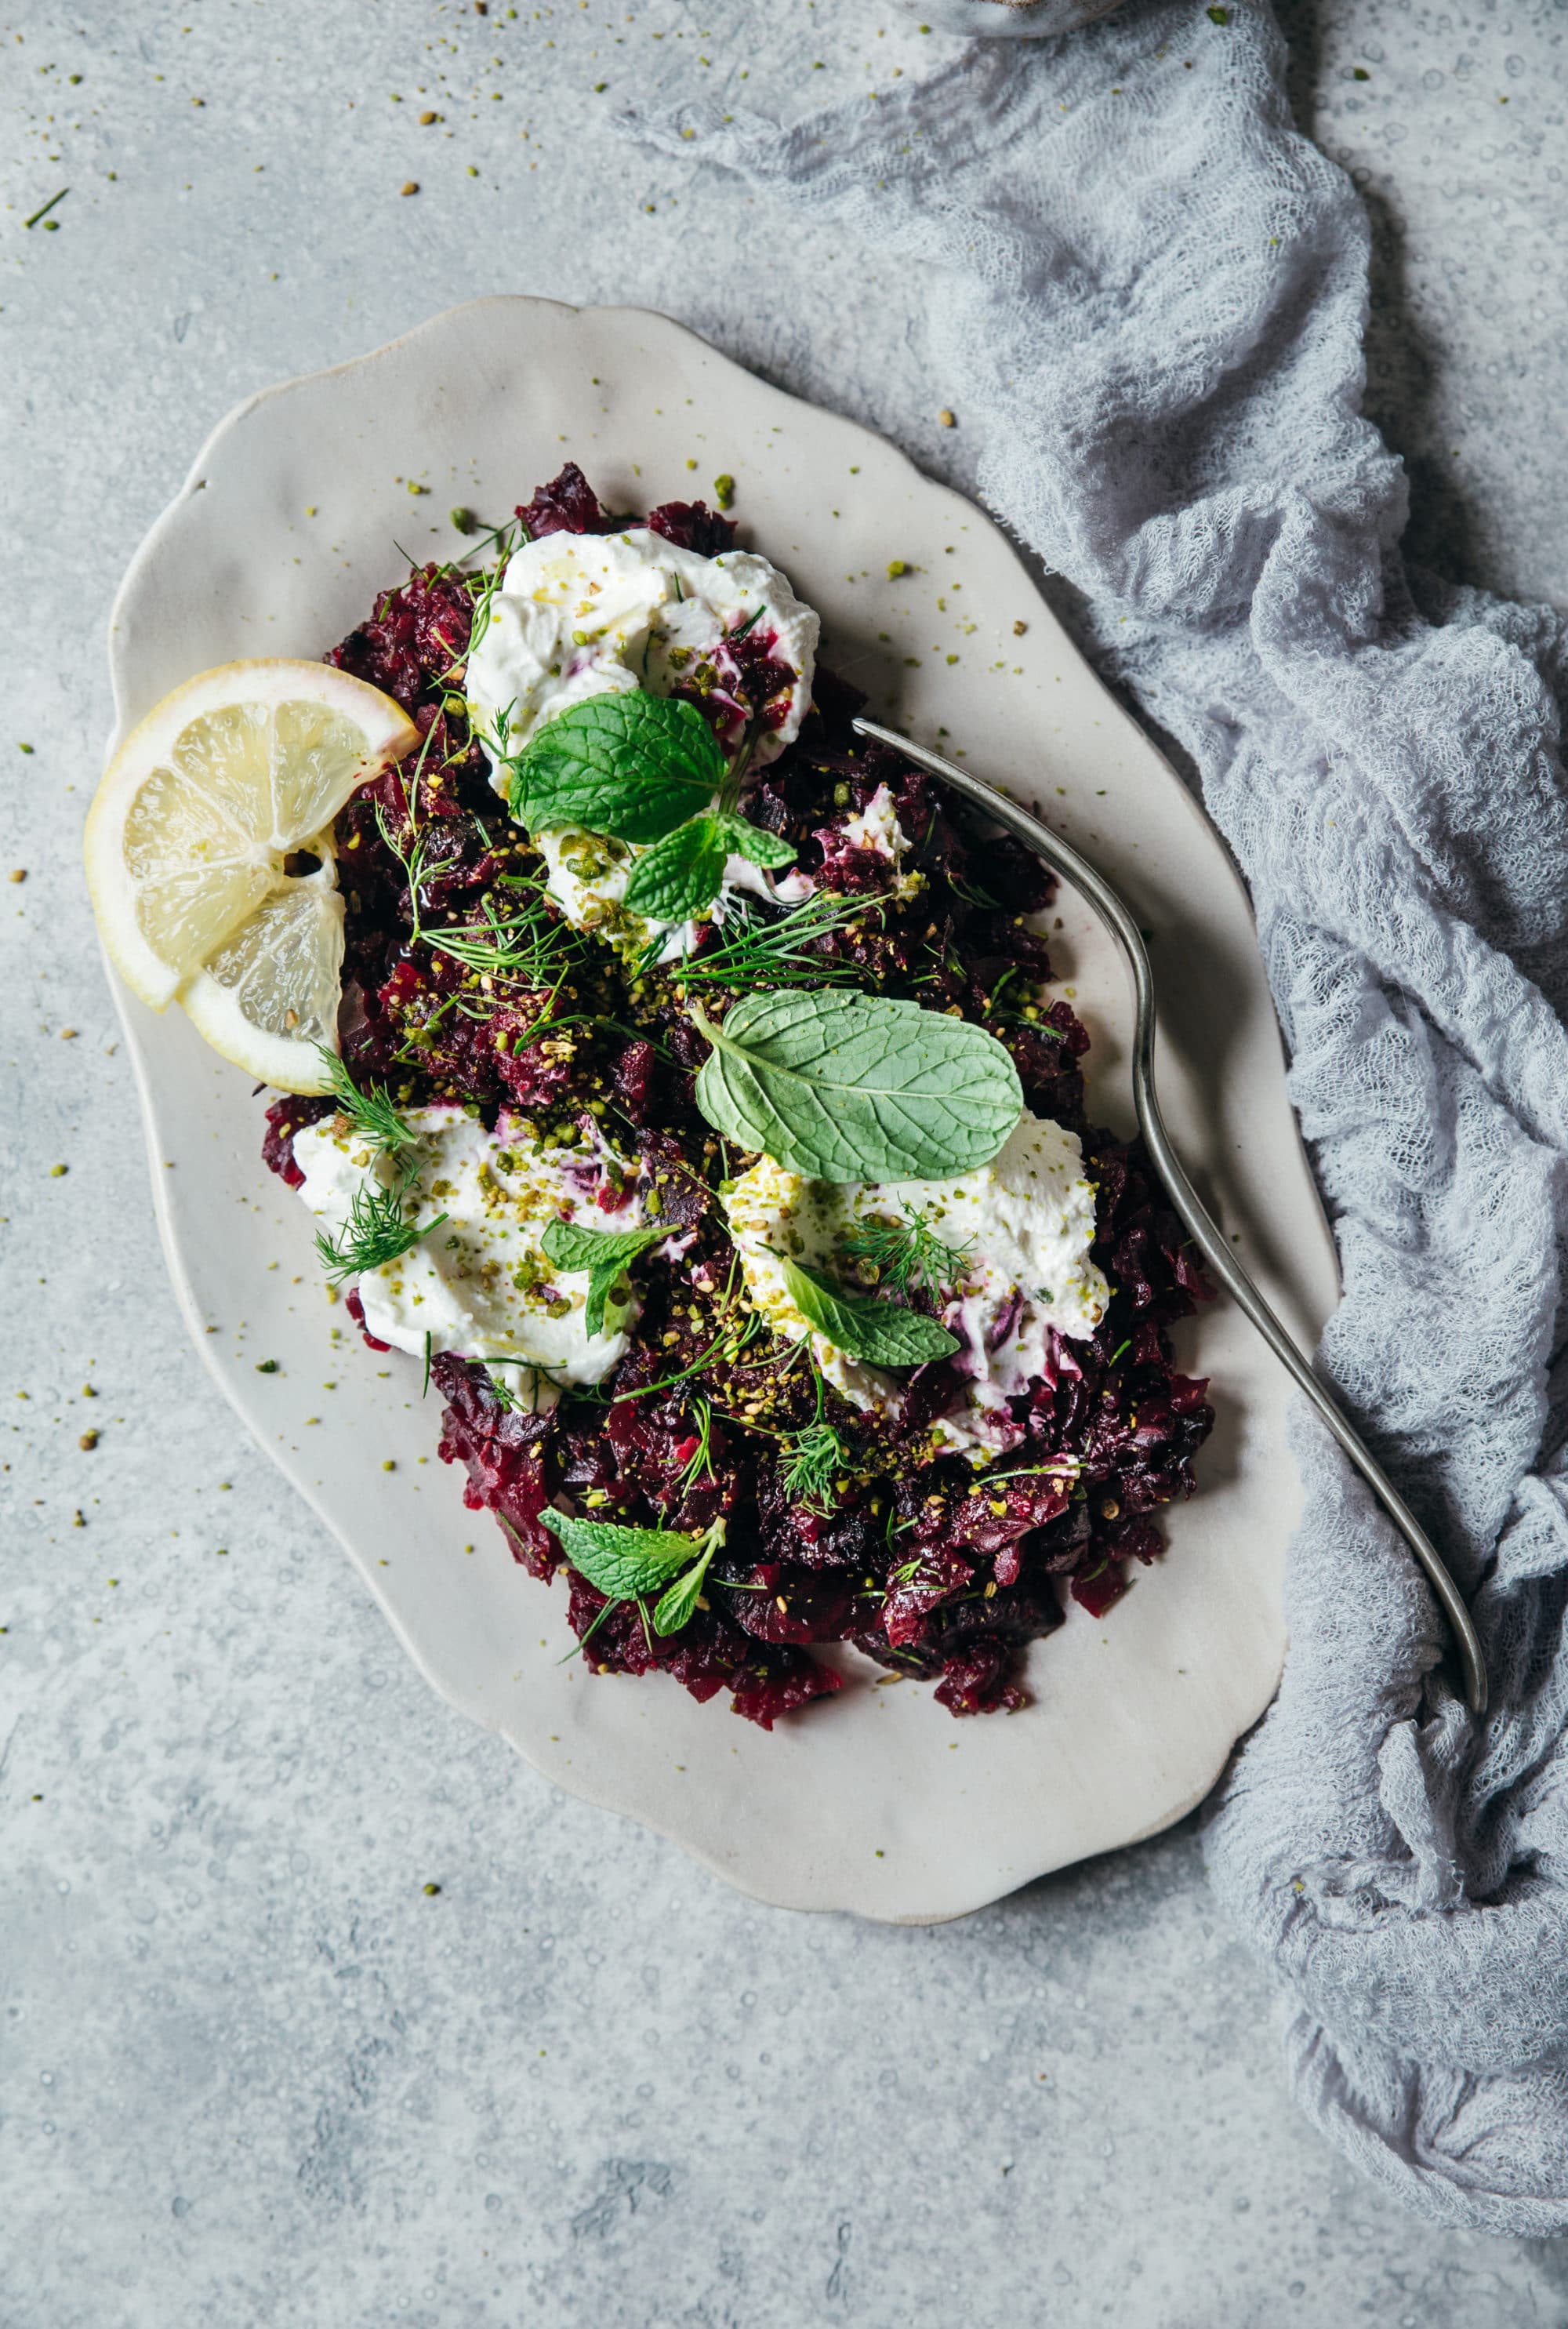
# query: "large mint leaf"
845,1086
603,1253
631,764
623,1562
681,873
885,1334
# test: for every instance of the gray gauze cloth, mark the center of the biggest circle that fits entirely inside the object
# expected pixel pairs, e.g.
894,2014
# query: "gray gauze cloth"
1148,292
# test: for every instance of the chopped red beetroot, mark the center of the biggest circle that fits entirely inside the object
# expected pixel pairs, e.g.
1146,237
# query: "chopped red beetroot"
356,1310
929,1567
739,682
417,630
635,1074
693,525
1099,1592
917,1586
503,1452
568,504
285,1117
775,1603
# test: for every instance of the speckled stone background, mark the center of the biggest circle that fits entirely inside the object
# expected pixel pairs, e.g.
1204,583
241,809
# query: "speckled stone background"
252,2071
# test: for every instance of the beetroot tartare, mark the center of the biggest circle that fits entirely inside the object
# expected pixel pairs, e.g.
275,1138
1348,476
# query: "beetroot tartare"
926,1494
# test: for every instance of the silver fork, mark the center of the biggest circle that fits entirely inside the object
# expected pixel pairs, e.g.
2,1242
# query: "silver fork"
1216,1251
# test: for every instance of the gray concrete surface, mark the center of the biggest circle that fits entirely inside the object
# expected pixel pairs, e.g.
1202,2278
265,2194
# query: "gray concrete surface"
252,2072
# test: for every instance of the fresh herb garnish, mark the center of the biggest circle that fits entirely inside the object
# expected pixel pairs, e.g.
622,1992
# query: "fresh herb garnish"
603,1253
631,764
626,1564
856,1087
681,873
762,953
884,1334
371,1112
756,845
685,872
484,585
645,769
525,944
907,1254
702,1460
673,1608
814,1455
533,1376
378,1230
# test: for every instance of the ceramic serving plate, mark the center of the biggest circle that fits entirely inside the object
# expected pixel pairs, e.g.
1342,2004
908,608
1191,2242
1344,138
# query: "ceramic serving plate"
299,509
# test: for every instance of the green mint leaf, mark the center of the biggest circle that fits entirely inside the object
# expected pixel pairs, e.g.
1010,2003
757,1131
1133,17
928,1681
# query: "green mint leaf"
631,764
758,846
847,1087
673,1608
884,1334
624,1562
603,1253
679,874
573,1245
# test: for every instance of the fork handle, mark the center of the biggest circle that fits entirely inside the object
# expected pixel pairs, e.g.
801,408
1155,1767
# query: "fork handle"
1216,1250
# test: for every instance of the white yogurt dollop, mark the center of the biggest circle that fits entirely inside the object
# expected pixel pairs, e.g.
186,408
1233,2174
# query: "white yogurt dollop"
876,827
586,875
580,615
1024,1224
478,1283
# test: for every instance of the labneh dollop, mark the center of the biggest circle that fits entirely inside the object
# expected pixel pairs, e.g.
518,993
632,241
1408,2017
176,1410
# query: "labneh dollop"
478,1283
580,615
1023,1226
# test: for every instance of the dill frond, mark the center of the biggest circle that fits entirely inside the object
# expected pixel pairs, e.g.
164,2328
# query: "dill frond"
371,1112
907,1254
525,945
378,1230
812,1455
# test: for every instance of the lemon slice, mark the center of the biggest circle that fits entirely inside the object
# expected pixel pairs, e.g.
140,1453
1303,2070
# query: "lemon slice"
210,856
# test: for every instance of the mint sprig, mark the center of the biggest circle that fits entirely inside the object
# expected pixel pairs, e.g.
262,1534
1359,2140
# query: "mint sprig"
681,873
644,768
684,872
631,765
847,1086
603,1253
627,1564
884,1334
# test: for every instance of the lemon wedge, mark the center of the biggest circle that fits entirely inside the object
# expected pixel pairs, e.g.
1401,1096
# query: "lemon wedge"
210,855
